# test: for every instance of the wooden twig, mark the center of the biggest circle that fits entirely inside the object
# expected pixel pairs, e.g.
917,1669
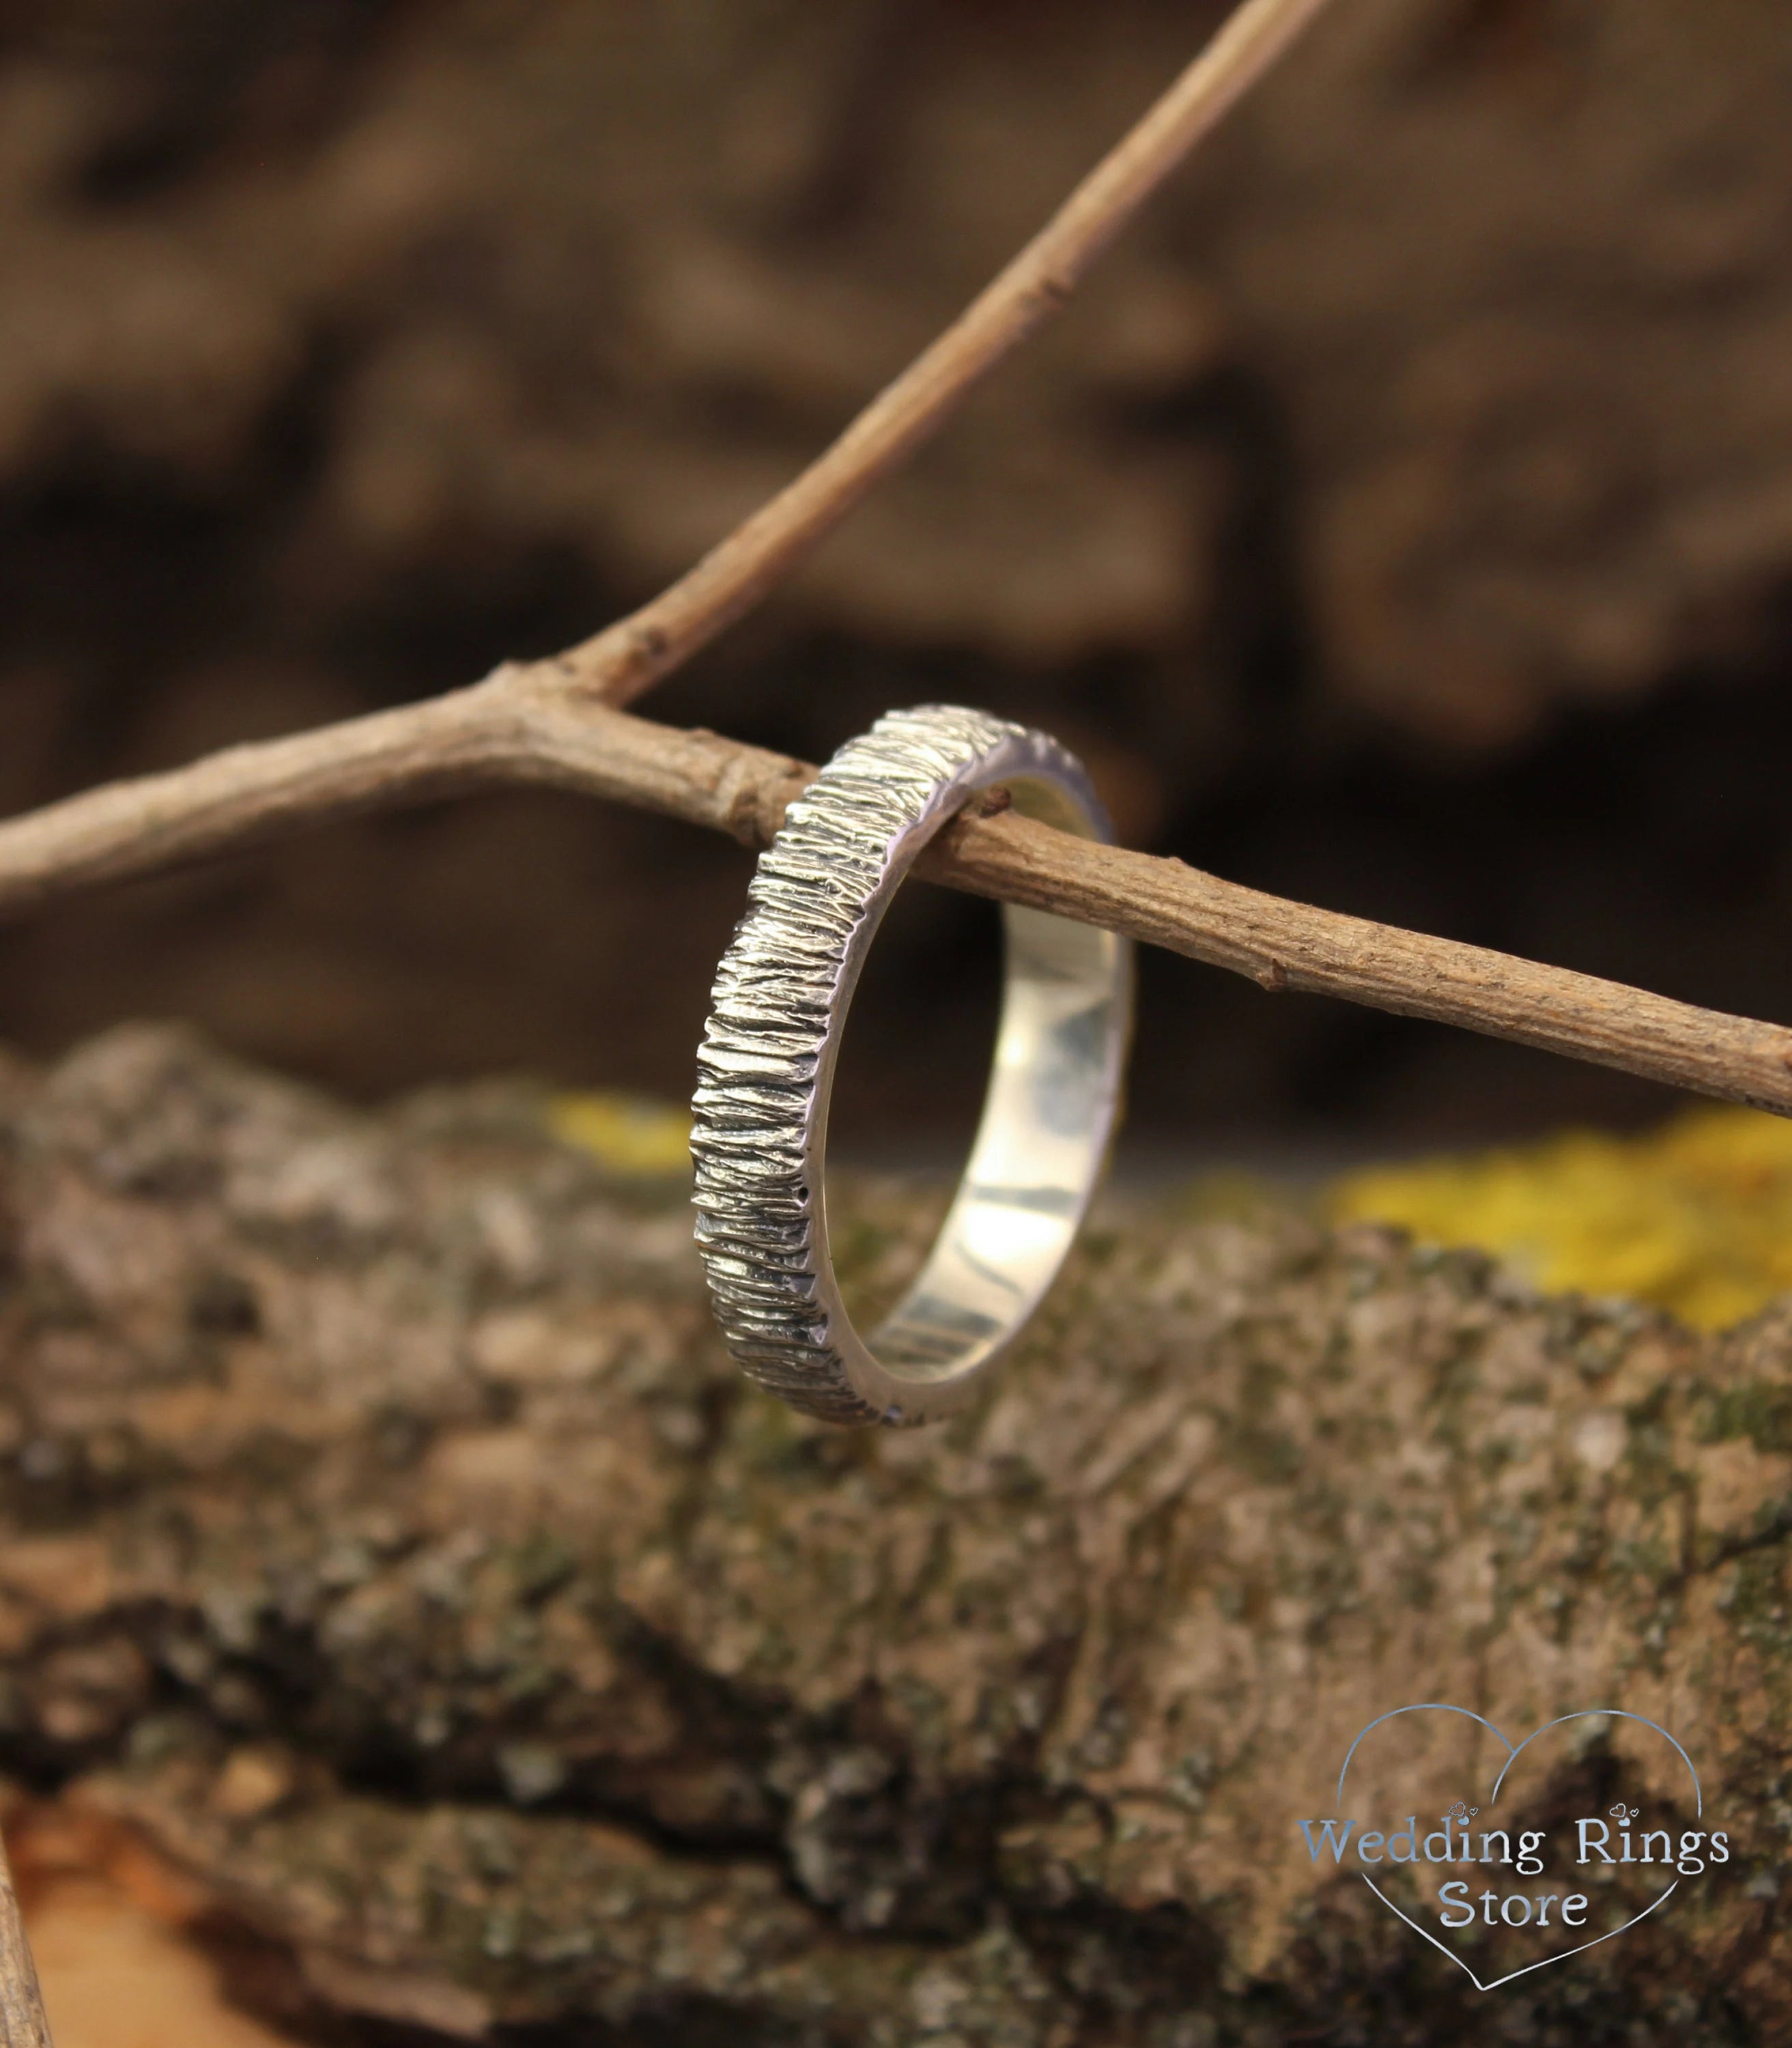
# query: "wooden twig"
553,721
509,729
22,2022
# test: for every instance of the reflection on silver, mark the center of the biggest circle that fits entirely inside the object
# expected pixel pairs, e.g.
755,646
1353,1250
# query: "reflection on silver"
766,1065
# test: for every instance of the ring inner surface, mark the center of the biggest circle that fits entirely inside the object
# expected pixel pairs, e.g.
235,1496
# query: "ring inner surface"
1039,1142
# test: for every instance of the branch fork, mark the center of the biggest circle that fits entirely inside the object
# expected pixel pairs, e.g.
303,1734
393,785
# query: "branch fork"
560,721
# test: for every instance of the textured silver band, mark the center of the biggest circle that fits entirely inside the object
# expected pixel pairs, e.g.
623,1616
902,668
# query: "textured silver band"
766,1063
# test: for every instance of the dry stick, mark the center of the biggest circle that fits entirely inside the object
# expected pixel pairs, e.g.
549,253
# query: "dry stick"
22,2023
630,657
525,724
510,729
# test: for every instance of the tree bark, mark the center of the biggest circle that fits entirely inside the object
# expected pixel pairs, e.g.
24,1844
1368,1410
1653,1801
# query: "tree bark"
388,1540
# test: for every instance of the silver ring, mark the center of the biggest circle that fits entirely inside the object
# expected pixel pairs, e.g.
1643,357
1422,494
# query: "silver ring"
766,1070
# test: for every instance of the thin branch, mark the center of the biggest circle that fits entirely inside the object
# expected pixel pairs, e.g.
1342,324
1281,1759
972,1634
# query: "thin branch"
509,729
1281,945
627,659
22,2021
526,724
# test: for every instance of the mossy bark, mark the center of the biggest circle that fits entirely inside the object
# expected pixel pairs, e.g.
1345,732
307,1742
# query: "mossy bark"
388,1539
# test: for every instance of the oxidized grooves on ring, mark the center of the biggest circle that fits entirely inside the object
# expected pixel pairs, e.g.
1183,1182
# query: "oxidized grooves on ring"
764,1062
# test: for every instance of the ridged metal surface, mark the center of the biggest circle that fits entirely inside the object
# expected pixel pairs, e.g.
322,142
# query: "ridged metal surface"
765,1062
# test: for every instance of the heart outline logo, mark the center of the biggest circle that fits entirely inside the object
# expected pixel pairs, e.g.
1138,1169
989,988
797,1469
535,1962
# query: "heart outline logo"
1513,1752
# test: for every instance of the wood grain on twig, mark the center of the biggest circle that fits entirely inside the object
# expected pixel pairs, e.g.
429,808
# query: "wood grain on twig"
509,729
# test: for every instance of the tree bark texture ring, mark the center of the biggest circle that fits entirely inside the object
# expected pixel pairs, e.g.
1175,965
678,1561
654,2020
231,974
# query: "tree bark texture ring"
766,1071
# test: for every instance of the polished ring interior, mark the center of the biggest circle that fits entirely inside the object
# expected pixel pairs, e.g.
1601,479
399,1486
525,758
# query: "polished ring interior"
766,1065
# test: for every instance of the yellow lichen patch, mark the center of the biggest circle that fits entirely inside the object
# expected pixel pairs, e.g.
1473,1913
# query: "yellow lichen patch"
1696,1217
630,1133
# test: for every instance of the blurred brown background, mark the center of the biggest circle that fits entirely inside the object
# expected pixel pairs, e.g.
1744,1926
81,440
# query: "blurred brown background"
1403,521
